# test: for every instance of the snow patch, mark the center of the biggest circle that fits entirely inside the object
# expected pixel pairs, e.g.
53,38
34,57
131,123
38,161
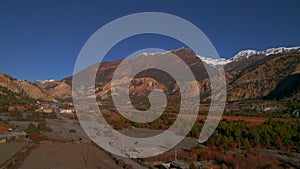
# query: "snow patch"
44,81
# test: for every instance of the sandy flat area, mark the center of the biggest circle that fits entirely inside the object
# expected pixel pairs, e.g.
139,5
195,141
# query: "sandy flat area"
68,156
9,149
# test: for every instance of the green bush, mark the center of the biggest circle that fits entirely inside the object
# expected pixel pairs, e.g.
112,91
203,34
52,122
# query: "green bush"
42,126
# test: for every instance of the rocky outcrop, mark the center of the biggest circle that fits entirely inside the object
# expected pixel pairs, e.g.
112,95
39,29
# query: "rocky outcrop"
259,80
59,90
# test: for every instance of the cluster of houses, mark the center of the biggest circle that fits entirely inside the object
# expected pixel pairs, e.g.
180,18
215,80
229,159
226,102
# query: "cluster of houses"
7,134
45,107
66,108
183,164
263,106
19,108
170,165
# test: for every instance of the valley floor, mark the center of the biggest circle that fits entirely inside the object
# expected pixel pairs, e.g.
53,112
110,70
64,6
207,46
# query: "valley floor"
68,155
65,149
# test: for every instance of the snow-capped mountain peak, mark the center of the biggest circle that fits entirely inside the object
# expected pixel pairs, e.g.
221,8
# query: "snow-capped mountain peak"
43,81
214,62
282,50
248,53
245,54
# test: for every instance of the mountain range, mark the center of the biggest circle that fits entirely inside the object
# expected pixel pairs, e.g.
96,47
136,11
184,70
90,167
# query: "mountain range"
245,54
23,88
270,74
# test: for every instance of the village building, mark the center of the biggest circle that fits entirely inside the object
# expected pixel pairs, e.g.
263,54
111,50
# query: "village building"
11,109
20,108
67,111
47,110
6,137
3,128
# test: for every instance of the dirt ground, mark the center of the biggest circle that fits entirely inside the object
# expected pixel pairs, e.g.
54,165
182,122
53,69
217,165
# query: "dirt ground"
68,156
9,149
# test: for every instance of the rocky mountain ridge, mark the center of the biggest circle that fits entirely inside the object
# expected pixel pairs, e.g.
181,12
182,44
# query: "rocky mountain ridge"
246,54
252,77
25,88
249,75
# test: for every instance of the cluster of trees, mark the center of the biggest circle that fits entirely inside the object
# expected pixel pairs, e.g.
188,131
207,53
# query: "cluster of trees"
38,115
161,123
32,116
294,106
234,134
35,132
255,113
231,134
10,98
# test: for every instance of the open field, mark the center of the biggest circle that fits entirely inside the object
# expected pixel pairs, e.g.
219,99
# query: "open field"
9,149
62,156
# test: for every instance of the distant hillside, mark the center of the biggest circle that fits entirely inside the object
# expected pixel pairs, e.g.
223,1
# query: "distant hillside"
271,74
59,90
264,77
24,88
8,97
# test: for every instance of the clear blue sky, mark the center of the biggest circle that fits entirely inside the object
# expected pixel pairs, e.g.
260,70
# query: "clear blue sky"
42,39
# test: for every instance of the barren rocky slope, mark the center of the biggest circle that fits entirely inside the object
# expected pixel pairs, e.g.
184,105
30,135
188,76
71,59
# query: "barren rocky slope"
24,88
253,77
